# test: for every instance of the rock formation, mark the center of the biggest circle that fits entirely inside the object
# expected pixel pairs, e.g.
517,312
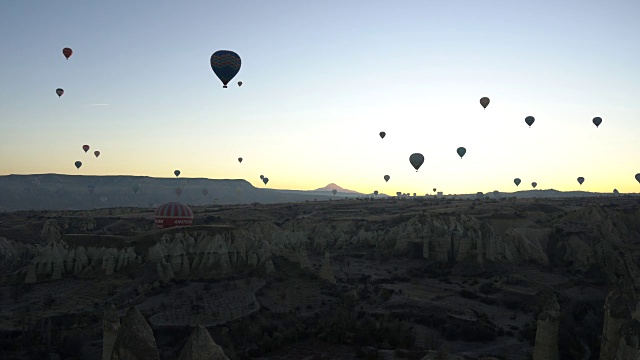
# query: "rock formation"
620,331
134,340
110,326
546,346
325,271
200,346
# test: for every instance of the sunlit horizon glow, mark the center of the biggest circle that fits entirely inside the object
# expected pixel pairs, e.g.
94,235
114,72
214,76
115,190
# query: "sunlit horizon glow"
320,81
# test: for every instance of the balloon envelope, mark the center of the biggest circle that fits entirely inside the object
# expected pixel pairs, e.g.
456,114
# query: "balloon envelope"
416,159
484,102
239,83
176,173
67,52
78,164
516,181
580,180
59,92
638,177
597,121
205,192
534,184
375,192
261,177
240,160
85,148
387,177
334,191
135,188
96,153
382,134
265,180
529,120
178,191
461,151
225,64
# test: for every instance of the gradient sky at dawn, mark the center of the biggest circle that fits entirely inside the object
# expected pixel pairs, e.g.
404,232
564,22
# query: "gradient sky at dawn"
321,79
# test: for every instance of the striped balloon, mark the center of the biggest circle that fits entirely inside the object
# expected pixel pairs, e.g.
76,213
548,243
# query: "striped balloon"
225,64
173,214
67,52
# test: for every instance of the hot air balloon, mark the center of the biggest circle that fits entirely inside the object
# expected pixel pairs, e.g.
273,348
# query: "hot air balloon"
461,151
616,192
534,184
386,178
85,148
176,173
67,52
638,177
205,192
484,102
135,188
178,191
529,120
382,134
597,121
580,180
240,160
239,83
334,191
375,192
78,164
434,189
261,177
265,180
225,64
516,181
416,159
59,92
96,153
91,188
173,214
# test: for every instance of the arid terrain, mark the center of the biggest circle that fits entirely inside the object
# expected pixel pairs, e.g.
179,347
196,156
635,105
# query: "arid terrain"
395,278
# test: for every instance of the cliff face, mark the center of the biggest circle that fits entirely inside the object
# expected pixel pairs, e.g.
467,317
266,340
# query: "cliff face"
134,340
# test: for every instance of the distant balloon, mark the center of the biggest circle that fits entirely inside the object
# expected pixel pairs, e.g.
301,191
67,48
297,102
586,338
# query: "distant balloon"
135,188
516,181
239,83
382,134
59,92
461,151
375,192
240,160
91,188
484,102
434,189
261,177
597,121
178,191
78,164
225,64
529,120
638,177
416,160
205,192
265,180
386,178
176,173
334,191
534,184
85,148
96,153
67,52
580,180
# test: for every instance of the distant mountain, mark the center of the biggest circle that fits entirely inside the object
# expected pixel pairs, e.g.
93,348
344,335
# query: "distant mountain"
333,186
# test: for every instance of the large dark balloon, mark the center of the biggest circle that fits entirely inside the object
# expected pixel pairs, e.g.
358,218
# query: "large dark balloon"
434,189
638,177
484,102
59,92
240,160
265,180
176,173
239,83
580,180
261,177
334,191
386,178
597,121
382,134
85,148
78,164
96,153
516,181
529,120
461,151
225,64
534,184
67,52
416,160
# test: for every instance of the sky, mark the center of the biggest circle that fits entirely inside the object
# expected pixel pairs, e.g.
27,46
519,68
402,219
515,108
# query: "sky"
320,80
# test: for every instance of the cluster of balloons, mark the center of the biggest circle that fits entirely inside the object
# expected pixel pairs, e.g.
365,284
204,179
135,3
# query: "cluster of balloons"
86,148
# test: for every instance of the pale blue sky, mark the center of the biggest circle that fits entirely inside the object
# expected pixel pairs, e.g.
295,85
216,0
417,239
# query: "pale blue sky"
321,80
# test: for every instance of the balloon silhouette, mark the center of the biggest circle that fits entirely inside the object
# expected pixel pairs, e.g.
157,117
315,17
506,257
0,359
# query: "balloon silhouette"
416,159
382,134
580,180
96,153
516,181
461,151
176,173
59,92
529,120
597,121
225,64
67,52
386,178
78,164
534,184
484,102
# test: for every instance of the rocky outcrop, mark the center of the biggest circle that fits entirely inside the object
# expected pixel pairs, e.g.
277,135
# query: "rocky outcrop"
326,272
110,327
629,347
200,346
546,345
134,340
50,231
619,325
